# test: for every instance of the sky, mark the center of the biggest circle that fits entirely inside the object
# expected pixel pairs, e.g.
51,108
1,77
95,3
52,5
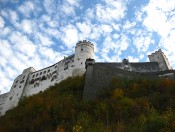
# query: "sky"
39,33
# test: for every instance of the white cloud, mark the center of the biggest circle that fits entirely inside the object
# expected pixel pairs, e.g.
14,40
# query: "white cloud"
70,36
160,19
106,29
142,43
50,55
116,36
89,14
12,72
50,6
17,63
73,2
52,32
133,59
116,26
22,43
44,40
84,27
27,8
68,7
124,42
5,52
5,49
95,34
13,15
129,25
84,30
157,21
112,10
2,23
27,26
68,10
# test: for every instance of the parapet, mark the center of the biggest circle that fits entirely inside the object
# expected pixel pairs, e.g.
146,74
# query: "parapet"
85,42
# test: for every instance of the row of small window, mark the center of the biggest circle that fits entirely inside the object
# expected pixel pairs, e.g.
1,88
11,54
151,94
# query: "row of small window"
15,86
42,72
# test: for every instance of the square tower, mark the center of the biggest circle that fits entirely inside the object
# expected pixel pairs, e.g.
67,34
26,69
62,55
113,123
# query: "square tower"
162,60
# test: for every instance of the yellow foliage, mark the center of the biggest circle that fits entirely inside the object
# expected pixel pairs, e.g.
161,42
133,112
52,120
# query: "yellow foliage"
118,93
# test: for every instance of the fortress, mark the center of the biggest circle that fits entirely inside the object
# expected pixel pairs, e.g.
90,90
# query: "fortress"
97,75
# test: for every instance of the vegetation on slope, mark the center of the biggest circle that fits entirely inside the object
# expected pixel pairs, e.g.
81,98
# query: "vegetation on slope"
136,105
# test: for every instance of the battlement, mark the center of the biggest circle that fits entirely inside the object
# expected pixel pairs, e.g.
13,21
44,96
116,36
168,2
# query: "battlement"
85,42
33,81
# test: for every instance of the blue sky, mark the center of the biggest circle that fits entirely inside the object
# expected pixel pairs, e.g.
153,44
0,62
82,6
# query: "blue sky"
39,33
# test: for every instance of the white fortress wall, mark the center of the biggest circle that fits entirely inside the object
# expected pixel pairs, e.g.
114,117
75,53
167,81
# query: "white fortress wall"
32,82
83,50
43,79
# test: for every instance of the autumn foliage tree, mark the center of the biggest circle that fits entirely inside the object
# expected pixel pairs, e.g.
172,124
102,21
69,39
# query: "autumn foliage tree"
132,105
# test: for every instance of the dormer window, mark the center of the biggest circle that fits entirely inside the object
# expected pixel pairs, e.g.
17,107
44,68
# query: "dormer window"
125,61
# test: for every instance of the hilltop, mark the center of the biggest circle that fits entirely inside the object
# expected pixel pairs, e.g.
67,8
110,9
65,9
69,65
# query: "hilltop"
125,105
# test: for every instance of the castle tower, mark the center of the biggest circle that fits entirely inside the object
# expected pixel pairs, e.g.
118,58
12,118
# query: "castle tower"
162,60
14,95
83,50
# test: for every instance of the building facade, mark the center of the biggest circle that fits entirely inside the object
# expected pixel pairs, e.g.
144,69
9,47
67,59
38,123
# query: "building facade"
162,60
97,74
32,82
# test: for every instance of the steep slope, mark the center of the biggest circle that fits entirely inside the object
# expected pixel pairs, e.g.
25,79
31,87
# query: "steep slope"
126,105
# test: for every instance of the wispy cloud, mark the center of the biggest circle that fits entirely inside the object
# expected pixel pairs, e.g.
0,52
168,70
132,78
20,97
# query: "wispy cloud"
40,33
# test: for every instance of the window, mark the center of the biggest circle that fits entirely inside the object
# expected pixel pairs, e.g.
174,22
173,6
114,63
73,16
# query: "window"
44,72
40,73
32,81
65,68
36,84
81,49
17,81
54,72
10,98
81,63
48,70
33,76
22,81
23,77
36,74
19,86
14,86
52,79
43,78
56,66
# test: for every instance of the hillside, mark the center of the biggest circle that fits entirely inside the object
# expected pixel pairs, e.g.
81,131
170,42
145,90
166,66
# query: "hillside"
136,105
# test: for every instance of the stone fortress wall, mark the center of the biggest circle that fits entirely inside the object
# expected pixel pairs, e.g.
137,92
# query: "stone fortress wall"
32,82
98,75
